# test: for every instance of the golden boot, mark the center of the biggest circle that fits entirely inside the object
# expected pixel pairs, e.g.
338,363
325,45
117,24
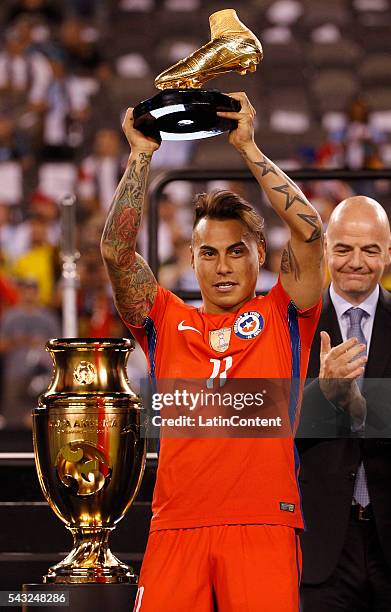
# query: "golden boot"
232,47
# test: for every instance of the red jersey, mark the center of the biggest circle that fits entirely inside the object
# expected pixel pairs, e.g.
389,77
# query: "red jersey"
222,481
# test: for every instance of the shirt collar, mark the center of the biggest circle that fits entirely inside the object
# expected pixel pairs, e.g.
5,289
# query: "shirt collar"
341,305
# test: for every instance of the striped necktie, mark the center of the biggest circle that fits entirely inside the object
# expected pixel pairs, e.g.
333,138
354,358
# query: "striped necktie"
356,315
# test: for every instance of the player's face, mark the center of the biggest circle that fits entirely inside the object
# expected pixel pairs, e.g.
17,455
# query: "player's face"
226,261
357,253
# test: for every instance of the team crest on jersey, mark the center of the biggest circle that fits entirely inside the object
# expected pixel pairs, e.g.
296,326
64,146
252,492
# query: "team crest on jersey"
248,325
219,339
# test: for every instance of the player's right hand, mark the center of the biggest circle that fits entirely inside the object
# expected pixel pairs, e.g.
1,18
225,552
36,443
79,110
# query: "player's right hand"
137,141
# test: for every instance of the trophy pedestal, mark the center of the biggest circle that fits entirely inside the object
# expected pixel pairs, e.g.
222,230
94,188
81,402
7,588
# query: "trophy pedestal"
90,561
184,114
85,597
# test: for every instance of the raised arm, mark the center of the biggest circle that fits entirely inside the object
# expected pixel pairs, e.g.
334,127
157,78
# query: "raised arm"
134,285
302,260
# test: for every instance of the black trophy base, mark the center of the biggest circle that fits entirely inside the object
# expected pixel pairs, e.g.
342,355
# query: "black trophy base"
85,597
184,114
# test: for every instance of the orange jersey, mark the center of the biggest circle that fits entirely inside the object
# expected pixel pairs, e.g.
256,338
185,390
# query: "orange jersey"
223,481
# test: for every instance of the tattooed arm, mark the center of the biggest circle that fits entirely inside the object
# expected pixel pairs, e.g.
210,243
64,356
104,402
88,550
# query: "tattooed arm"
302,260
134,285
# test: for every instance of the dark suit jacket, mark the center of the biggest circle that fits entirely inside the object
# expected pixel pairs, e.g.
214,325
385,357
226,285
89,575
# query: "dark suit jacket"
330,454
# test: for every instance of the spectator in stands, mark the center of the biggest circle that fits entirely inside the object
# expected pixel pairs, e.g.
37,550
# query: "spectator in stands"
179,275
357,144
40,260
109,101
24,72
97,316
7,234
16,239
171,230
326,195
15,159
277,238
361,140
48,11
24,330
66,109
87,9
46,208
9,295
90,230
80,45
100,172
14,145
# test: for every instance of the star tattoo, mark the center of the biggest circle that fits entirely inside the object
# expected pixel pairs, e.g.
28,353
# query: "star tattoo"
266,168
314,221
290,199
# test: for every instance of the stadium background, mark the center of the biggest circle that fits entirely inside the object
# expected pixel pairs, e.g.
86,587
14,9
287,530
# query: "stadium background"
68,71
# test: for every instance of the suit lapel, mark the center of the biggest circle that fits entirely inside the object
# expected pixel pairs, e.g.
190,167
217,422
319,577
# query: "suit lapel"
379,358
328,322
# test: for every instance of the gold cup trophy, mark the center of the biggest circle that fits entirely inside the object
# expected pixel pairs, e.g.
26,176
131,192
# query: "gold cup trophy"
89,453
184,111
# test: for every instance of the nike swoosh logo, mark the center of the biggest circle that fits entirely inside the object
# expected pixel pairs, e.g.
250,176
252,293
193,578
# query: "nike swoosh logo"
182,327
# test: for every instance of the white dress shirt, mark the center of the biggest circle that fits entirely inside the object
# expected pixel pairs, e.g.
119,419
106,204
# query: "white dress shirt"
369,305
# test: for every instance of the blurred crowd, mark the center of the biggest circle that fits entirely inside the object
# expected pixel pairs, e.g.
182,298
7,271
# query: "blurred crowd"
61,103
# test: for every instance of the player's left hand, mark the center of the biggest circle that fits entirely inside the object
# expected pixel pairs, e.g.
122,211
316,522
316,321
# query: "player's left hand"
243,134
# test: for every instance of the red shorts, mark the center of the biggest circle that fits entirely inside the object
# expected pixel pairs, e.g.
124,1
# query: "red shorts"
229,568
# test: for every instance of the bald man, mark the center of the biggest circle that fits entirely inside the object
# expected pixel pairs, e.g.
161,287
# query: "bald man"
345,435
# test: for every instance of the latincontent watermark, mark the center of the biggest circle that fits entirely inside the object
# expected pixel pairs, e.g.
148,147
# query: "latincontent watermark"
215,421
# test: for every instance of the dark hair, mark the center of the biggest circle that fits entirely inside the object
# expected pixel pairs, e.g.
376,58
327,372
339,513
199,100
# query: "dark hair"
223,204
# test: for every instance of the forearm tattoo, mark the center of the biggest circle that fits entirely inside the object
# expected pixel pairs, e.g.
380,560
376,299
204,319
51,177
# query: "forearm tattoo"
289,263
124,217
133,283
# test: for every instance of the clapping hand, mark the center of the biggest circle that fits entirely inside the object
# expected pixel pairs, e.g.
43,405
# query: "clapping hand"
340,366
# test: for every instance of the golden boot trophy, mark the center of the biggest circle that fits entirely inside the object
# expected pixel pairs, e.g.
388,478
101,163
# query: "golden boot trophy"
183,111
89,453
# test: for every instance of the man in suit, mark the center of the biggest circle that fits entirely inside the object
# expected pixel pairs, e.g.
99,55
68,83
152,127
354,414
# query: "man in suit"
344,437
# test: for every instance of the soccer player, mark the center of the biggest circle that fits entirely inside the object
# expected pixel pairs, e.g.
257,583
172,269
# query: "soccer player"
225,511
